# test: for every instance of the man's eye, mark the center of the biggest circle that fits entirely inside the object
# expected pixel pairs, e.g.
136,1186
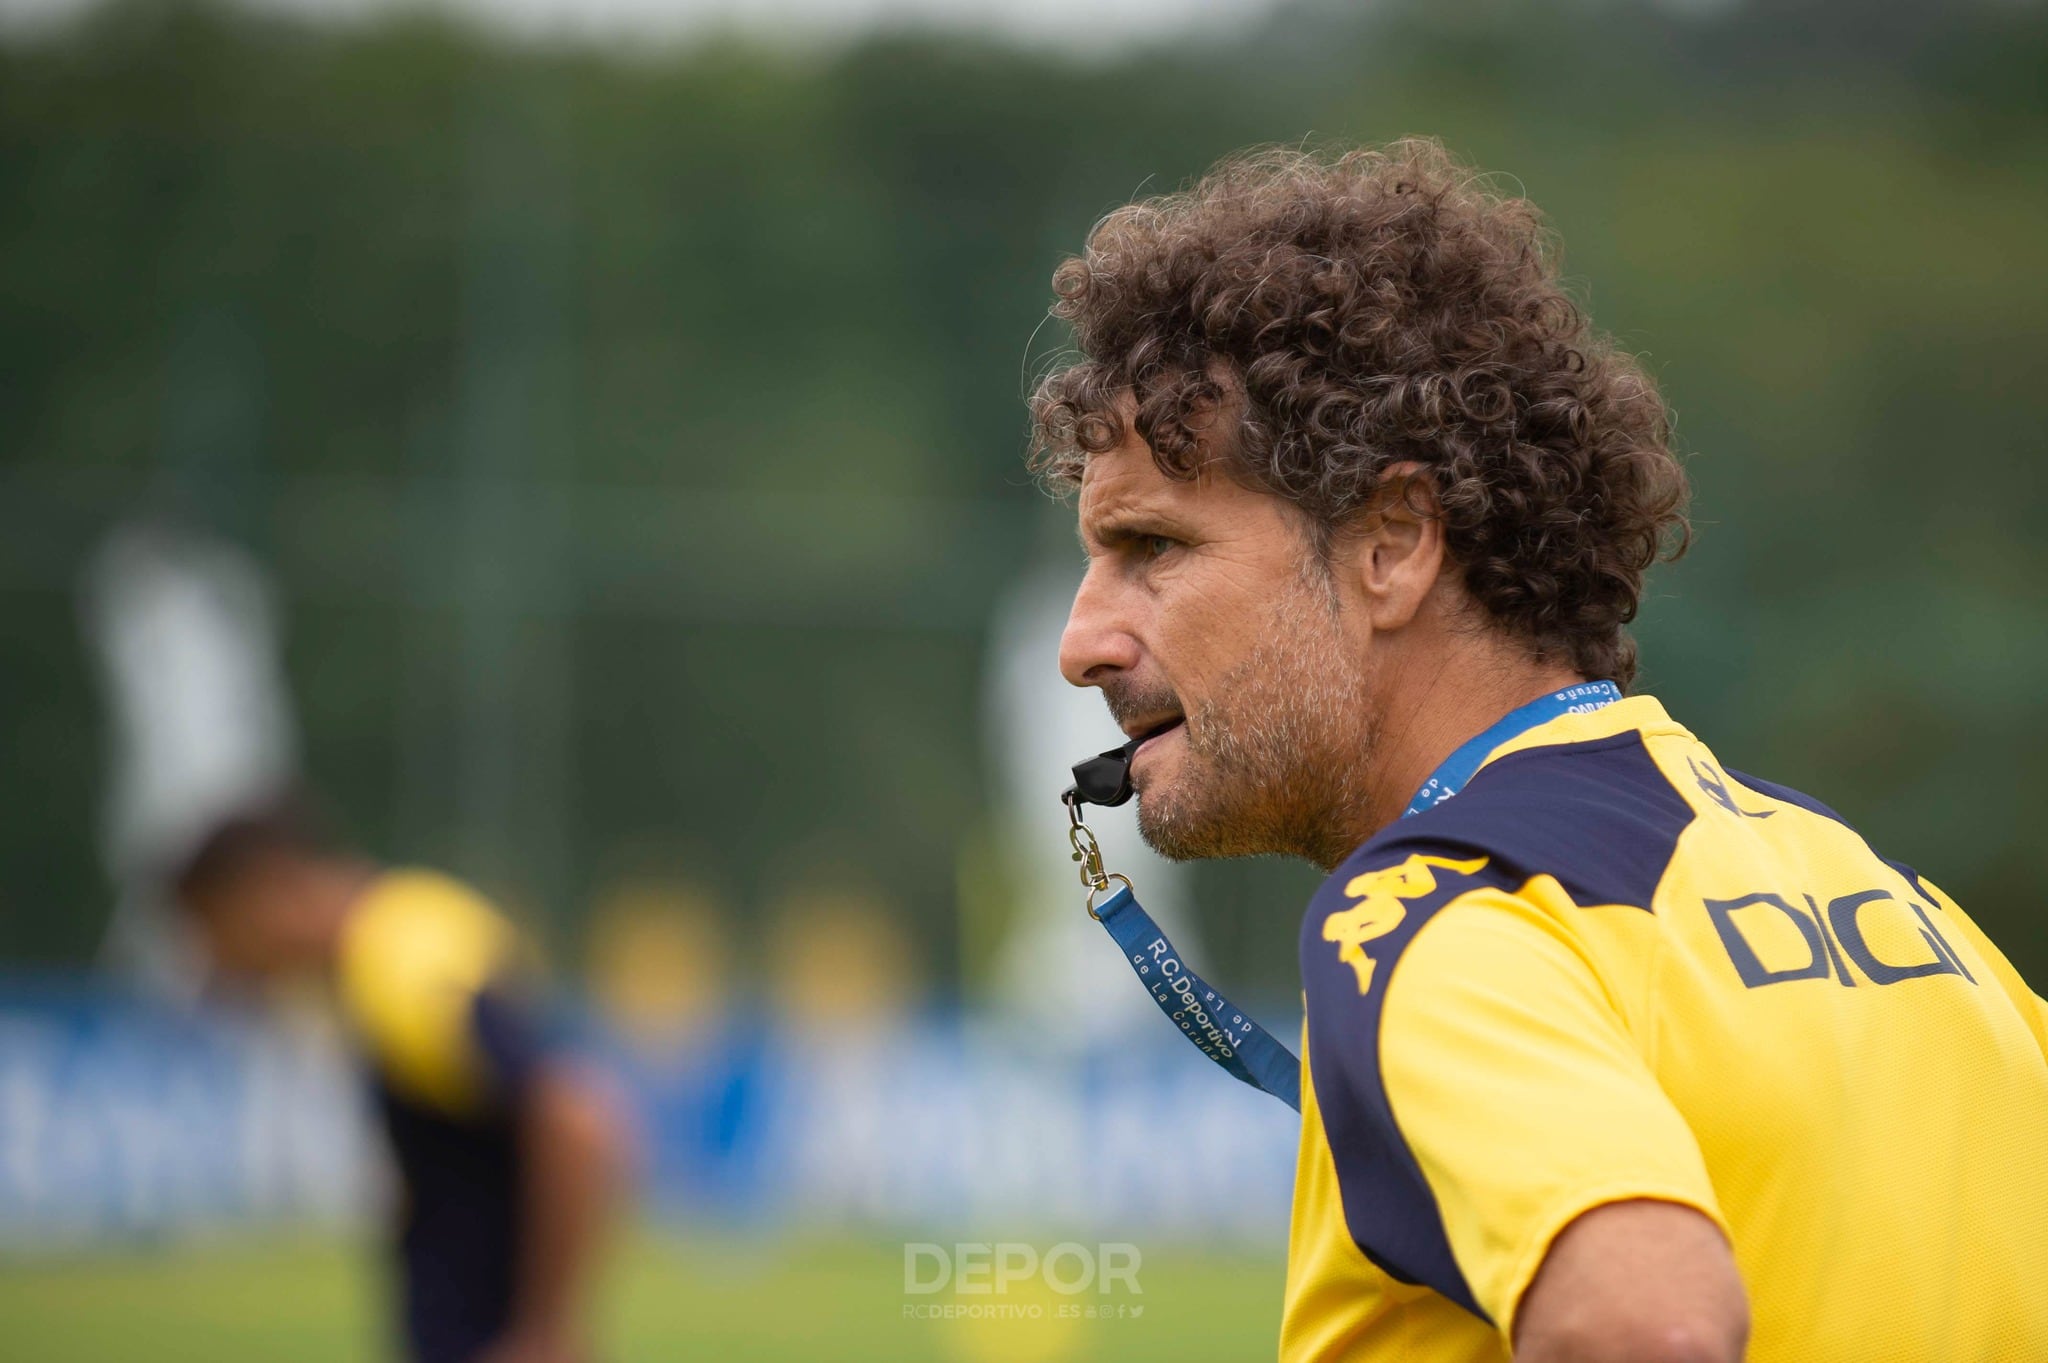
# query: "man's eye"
1152,546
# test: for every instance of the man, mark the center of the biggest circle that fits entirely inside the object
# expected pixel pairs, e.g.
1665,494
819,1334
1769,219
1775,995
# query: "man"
508,1155
1611,1053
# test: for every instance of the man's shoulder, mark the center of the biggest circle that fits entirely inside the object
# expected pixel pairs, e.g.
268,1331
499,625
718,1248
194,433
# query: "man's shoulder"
1600,816
409,920
421,952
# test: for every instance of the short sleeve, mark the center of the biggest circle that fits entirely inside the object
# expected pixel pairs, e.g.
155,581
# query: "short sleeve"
512,1034
1479,1089
428,983
1511,1076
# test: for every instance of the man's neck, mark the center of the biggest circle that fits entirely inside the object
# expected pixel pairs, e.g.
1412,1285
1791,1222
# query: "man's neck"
1426,714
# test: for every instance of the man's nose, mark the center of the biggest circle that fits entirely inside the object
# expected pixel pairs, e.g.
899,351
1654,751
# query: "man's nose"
1098,640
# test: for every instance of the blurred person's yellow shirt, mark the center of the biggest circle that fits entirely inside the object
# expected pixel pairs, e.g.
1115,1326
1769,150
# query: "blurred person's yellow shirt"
434,986
420,953
1611,969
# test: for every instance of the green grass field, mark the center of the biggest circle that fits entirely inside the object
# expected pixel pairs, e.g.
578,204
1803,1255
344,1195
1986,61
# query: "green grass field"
671,1300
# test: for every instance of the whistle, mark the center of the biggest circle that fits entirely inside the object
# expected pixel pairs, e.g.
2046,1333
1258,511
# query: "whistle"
1105,779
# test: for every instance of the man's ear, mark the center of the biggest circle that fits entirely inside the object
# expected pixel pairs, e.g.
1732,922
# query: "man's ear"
1395,548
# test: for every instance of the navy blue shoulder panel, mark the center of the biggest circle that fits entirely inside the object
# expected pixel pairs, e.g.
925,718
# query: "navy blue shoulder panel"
1598,816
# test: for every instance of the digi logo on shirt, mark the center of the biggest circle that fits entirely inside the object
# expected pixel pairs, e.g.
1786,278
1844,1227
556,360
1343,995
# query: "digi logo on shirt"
1772,941
1380,909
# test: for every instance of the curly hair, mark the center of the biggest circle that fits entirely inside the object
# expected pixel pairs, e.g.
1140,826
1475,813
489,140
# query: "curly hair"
1357,312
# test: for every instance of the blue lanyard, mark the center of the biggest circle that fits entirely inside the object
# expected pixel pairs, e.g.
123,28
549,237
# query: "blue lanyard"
1219,1028
1450,778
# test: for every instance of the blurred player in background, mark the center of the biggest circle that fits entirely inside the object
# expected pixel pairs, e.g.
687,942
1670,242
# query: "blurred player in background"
1611,1053
510,1156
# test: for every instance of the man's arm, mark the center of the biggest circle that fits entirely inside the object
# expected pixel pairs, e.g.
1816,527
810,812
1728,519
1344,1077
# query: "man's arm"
1538,1140
573,1158
1635,1282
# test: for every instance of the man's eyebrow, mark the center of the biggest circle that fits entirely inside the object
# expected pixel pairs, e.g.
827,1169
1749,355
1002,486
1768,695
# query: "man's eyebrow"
1123,525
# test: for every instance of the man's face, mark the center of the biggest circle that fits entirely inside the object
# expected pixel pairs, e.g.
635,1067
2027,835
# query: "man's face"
1209,622
254,926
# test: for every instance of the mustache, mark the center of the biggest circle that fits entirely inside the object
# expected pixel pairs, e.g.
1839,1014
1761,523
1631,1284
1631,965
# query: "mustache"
1131,700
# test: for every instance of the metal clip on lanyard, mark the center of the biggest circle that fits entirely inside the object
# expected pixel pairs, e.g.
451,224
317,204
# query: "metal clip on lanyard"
1222,1030
1089,853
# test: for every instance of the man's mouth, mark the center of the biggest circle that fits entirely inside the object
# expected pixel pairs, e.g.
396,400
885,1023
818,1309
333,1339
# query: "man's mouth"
1164,727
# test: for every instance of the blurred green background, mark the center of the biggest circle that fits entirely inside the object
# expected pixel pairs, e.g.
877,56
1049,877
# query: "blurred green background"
634,434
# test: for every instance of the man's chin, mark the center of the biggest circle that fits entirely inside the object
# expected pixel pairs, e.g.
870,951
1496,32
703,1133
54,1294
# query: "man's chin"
1203,817
1178,832
1170,840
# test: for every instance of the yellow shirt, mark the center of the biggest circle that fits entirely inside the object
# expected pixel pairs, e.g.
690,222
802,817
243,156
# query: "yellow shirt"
423,962
1611,969
433,987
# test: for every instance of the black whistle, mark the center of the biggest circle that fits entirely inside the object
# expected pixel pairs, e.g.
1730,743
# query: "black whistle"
1105,779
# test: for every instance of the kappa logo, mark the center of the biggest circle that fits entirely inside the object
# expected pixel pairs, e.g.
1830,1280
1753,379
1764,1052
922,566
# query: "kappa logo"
1716,787
1381,907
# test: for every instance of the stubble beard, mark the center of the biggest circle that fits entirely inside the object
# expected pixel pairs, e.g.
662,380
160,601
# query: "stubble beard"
1278,762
